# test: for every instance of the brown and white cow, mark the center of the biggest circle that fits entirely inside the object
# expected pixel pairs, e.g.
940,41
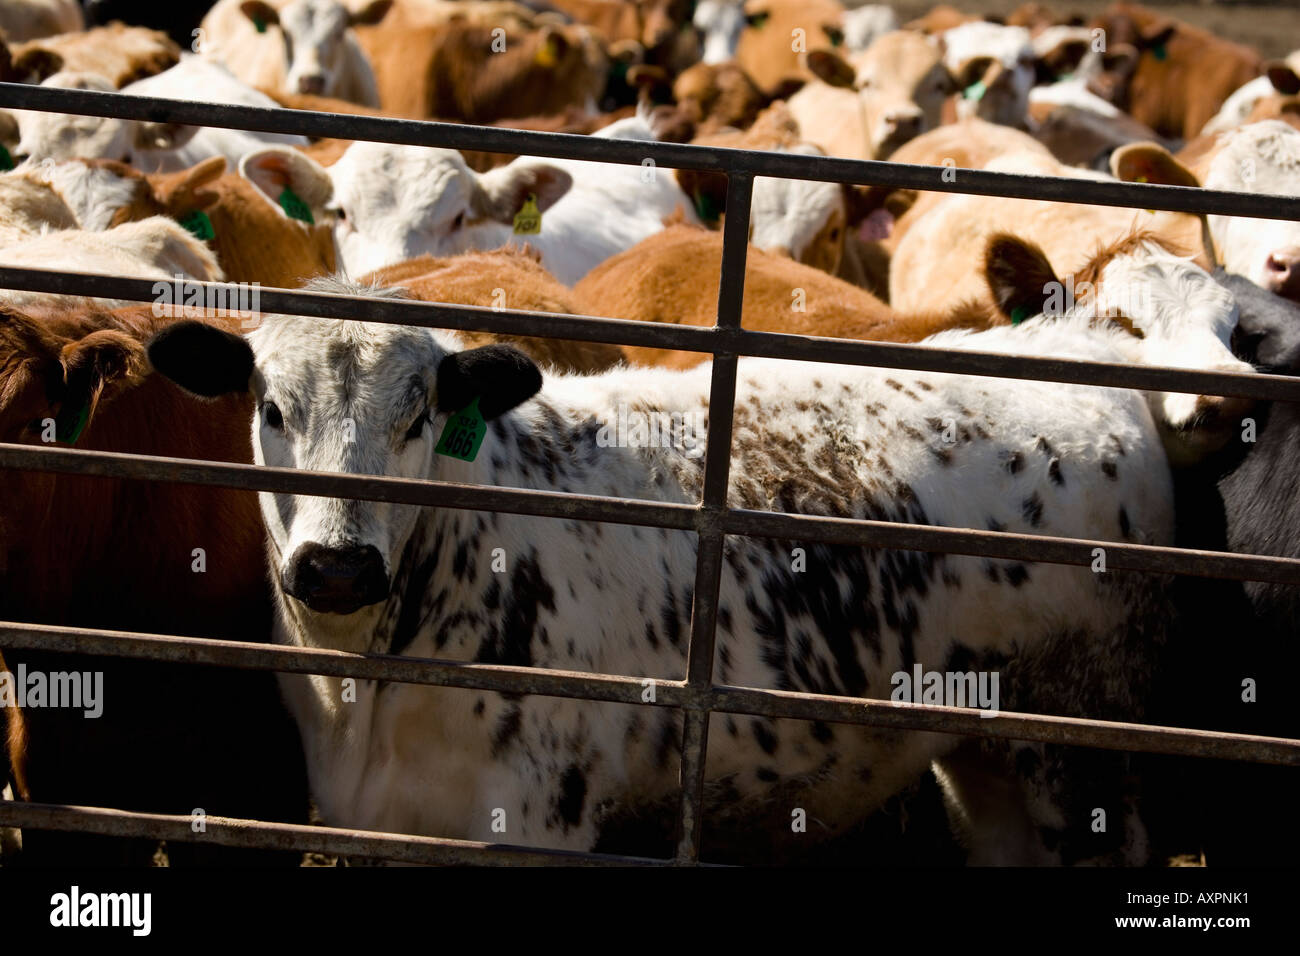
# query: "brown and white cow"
299,46
1256,158
867,106
119,53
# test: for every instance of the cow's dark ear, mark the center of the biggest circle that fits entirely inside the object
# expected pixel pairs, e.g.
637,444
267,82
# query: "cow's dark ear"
499,376
202,359
1284,79
831,68
1019,276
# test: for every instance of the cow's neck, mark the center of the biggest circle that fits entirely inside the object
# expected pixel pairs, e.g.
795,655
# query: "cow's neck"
459,569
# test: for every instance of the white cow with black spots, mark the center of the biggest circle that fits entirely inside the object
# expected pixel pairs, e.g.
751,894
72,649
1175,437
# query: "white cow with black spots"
966,452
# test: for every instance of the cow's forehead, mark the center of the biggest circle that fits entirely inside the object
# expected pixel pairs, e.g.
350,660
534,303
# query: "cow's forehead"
312,360
1005,44
900,53
425,183
1162,292
1262,157
314,18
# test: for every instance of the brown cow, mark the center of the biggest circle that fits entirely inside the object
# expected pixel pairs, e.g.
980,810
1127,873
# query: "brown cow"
137,556
656,26
673,277
1181,76
465,71
715,96
779,32
505,279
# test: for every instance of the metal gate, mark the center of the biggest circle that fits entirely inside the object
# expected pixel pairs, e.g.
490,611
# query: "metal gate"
710,519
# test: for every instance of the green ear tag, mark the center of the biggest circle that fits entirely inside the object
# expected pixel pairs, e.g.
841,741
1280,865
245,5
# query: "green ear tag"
463,434
975,91
1160,51
259,24
1019,314
6,161
705,207
71,423
528,220
295,208
199,225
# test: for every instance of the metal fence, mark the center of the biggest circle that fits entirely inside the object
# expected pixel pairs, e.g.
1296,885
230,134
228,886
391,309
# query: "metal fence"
710,519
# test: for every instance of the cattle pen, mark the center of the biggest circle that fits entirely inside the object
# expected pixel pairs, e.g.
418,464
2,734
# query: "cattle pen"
710,519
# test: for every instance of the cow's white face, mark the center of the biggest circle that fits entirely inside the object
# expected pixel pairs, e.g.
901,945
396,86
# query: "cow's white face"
315,38
62,136
1259,158
863,24
350,398
1184,319
993,66
720,22
802,219
390,203
343,397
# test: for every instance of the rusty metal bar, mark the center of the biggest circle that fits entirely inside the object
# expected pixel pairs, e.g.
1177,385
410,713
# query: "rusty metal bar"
722,339
628,690
697,696
332,841
634,152
713,502
759,702
550,504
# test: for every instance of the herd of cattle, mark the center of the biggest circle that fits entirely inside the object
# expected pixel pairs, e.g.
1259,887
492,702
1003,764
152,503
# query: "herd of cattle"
1131,94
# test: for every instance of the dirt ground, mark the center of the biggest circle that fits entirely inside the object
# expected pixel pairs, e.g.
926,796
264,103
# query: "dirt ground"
1271,28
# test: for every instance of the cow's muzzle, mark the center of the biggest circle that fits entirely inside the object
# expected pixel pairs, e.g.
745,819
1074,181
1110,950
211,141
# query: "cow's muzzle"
337,580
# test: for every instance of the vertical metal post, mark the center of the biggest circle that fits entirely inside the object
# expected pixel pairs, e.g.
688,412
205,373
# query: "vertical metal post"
708,555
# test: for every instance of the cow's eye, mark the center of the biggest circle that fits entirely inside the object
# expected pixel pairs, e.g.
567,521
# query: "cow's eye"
272,417
342,214
417,427
458,221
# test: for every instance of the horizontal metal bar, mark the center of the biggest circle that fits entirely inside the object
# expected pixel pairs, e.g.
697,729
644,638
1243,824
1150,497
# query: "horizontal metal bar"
309,660
689,338
630,511
331,841
1109,735
671,693
633,152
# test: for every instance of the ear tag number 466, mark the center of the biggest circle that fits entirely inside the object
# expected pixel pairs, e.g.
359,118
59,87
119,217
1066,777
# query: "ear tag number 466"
463,434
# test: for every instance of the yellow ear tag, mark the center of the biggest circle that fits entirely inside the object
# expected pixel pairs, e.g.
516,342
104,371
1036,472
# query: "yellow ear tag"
546,55
528,220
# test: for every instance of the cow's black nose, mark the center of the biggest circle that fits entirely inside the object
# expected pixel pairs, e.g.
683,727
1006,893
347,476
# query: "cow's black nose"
337,580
